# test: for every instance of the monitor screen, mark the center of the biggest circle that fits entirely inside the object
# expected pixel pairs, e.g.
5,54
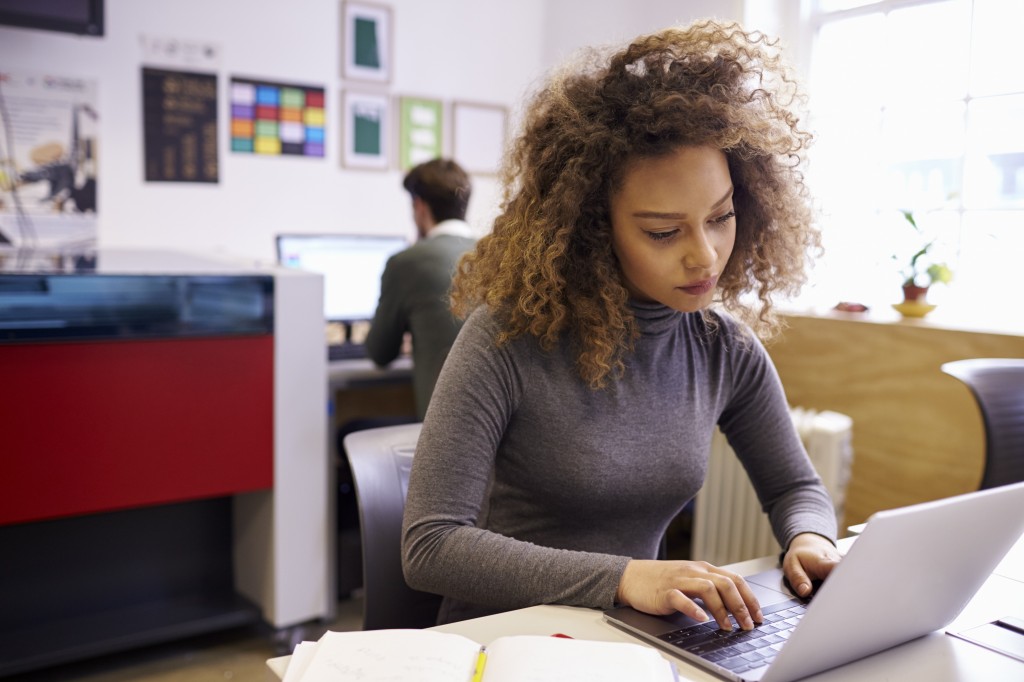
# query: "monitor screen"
351,266
84,17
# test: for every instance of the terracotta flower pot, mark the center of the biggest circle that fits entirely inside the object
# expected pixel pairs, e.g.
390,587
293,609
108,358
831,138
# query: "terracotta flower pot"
914,293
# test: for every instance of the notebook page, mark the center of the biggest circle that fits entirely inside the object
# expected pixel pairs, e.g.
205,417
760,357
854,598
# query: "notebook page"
301,657
392,656
553,659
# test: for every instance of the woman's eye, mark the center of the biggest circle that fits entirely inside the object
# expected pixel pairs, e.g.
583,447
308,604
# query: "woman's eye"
725,218
662,236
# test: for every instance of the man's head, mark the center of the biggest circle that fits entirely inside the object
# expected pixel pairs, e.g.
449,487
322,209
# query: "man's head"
440,191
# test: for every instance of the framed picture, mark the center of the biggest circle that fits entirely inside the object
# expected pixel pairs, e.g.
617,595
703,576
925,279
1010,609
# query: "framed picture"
365,126
420,130
276,119
366,42
478,136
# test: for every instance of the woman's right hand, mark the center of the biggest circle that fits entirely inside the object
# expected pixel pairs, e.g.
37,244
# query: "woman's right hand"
663,587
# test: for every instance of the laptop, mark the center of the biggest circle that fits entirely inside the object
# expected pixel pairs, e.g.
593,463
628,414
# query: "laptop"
351,265
910,572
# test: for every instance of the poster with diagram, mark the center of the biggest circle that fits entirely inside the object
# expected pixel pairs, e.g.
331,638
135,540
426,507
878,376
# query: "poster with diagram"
179,123
48,161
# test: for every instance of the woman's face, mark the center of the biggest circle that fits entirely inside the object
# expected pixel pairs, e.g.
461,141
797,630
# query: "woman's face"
673,227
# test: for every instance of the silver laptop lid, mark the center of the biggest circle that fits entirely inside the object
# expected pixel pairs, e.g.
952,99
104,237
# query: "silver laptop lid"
911,572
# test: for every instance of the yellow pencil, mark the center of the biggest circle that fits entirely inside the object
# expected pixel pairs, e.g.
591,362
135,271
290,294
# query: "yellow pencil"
481,659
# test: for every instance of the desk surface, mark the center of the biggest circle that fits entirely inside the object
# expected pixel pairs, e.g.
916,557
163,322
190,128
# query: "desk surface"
936,657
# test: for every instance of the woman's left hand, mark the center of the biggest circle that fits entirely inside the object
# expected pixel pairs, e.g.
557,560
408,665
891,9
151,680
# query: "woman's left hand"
810,557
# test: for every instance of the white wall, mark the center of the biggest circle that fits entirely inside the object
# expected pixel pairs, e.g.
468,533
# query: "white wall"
477,50
490,51
572,24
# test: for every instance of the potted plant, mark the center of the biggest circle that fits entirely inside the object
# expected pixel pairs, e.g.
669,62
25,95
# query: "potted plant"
922,271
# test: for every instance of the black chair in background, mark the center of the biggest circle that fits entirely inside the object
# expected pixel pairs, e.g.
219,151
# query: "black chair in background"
998,387
380,460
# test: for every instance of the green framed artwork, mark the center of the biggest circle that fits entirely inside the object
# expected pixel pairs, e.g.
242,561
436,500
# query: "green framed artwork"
420,130
366,42
365,126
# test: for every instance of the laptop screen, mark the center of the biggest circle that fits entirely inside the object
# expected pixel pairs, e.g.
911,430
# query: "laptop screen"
350,264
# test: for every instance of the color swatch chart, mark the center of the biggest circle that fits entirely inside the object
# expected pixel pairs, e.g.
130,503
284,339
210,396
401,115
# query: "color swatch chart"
275,119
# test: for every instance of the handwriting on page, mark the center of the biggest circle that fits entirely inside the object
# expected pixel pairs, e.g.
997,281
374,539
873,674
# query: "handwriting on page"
391,656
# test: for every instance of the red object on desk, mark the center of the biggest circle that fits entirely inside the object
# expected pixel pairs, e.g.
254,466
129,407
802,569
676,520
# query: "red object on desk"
559,634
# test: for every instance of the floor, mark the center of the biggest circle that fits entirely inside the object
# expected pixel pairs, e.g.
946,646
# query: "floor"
233,655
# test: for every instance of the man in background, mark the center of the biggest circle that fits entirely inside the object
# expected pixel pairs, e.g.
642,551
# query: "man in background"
415,284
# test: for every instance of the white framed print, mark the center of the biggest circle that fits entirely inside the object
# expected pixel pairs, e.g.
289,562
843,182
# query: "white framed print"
478,136
365,130
366,42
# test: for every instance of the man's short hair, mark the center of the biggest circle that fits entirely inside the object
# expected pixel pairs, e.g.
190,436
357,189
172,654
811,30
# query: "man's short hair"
443,185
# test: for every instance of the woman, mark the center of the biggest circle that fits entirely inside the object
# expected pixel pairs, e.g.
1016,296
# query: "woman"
573,418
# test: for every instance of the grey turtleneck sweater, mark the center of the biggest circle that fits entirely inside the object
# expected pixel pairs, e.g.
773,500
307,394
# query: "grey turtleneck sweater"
528,487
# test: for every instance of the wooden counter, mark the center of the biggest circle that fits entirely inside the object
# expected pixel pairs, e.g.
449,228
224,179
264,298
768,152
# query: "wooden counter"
917,432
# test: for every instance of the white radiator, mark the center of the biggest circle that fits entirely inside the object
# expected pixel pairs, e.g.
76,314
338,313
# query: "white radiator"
728,524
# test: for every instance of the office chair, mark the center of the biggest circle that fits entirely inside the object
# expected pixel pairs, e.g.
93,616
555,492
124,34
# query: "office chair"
998,387
380,460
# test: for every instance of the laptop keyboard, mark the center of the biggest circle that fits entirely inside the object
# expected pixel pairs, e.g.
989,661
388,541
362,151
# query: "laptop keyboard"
346,351
740,650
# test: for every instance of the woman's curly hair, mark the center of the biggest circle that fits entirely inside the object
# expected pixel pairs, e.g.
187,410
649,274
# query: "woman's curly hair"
547,268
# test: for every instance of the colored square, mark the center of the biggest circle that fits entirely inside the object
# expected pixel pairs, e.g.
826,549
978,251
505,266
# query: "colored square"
315,135
241,128
241,144
268,145
315,98
314,117
243,93
292,97
292,132
242,111
314,149
290,114
266,112
267,94
266,128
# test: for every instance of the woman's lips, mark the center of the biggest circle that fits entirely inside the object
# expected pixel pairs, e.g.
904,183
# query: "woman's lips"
701,287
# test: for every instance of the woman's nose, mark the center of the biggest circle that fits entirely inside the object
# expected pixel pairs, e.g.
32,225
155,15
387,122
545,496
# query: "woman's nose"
700,252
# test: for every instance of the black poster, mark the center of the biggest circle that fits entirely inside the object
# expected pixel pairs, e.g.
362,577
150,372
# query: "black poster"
179,122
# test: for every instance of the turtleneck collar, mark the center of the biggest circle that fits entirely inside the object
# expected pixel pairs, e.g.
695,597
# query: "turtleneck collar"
654,318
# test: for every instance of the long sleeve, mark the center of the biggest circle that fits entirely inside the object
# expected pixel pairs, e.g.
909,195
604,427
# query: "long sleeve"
759,428
390,321
445,549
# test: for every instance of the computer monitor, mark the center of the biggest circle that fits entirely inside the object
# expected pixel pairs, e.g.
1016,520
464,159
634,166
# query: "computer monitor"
350,264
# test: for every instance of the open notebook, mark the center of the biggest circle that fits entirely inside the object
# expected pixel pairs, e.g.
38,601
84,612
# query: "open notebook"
428,656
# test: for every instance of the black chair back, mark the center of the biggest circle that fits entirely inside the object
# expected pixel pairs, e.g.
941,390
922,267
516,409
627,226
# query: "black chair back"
998,386
381,460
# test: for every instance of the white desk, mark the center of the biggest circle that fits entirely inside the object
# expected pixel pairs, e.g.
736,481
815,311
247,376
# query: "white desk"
343,374
936,657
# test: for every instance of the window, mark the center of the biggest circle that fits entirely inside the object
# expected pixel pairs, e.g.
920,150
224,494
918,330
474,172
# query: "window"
918,105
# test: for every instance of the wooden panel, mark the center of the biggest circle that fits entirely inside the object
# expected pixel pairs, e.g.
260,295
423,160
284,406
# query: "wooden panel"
917,432
371,401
